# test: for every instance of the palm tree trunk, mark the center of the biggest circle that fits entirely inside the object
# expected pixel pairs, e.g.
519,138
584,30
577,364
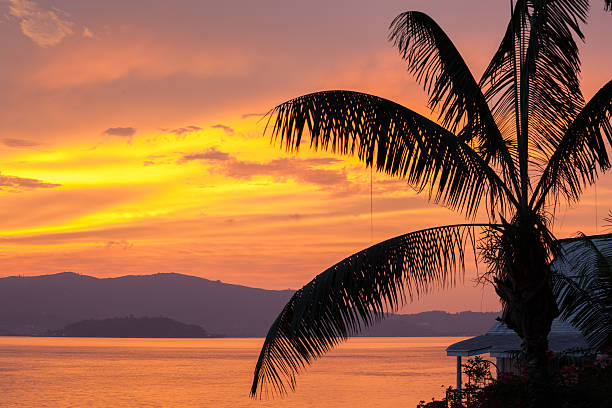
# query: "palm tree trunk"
525,289
530,314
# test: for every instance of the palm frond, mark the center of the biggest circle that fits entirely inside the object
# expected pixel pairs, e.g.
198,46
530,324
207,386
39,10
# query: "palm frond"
584,287
498,80
580,153
397,140
439,67
355,293
535,72
552,69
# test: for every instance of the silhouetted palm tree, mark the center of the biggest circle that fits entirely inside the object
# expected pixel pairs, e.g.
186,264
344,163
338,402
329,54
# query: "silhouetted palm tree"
516,144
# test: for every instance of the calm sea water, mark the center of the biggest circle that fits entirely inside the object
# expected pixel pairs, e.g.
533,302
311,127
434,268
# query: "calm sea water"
79,372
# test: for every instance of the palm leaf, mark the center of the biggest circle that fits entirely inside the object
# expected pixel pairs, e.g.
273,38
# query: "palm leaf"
398,140
498,80
539,54
354,294
438,66
584,292
552,68
579,153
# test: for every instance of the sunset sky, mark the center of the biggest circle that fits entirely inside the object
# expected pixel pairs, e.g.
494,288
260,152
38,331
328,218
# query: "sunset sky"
131,139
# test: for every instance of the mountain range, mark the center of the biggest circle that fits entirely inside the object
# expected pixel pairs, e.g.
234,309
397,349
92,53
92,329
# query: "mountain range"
38,304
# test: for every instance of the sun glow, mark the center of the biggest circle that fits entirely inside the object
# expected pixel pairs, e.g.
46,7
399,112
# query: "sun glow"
134,142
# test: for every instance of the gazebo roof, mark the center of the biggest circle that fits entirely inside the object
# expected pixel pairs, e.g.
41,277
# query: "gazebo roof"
500,341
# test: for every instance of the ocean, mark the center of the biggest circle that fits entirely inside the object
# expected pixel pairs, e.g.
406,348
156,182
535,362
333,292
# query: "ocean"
101,372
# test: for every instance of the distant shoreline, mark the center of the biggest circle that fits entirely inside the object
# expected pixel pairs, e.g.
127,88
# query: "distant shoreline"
39,305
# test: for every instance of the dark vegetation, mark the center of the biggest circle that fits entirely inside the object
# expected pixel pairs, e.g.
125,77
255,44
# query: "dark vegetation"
136,327
509,148
576,382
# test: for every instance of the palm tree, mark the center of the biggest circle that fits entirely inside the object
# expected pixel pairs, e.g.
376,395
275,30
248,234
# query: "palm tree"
511,146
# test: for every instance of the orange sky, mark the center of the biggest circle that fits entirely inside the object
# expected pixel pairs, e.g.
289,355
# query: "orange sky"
130,141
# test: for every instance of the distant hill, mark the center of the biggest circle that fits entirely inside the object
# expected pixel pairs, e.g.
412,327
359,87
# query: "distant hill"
38,304
433,324
136,327
35,305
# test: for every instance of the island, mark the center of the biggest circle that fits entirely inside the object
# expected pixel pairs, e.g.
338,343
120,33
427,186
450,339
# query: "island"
132,327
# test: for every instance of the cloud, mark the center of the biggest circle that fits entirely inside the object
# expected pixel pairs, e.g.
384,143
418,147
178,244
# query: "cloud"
228,130
304,170
182,130
211,154
153,159
45,27
120,131
123,244
19,142
253,115
14,184
87,33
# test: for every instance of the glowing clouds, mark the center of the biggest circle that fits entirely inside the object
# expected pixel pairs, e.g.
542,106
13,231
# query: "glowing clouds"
210,154
18,142
120,131
227,129
301,170
182,130
17,184
45,27
124,132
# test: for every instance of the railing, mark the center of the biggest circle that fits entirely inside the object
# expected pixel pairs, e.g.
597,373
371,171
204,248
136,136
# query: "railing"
478,372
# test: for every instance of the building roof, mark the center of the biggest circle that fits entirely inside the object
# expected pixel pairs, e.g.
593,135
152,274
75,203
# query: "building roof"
501,341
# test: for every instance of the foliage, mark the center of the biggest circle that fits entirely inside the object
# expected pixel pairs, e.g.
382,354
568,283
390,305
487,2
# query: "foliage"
573,386
357,292
576,383
478,372
584,288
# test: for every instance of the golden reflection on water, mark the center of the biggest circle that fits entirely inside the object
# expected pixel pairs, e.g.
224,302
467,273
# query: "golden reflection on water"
95,372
